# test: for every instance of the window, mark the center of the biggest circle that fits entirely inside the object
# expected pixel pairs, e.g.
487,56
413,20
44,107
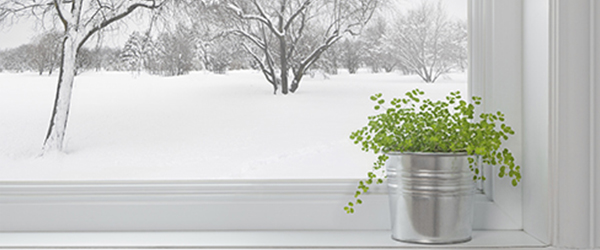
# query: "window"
143,205
133,126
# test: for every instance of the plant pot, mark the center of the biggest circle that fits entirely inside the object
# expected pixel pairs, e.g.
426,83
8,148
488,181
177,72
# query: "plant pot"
431,197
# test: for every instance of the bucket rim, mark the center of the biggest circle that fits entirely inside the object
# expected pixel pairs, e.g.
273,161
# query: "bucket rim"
428,153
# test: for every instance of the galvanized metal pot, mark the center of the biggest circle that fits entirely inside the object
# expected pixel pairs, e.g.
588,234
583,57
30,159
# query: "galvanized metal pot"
431,197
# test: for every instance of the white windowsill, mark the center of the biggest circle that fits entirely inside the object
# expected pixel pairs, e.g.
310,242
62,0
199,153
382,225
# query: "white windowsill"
205,206
253,239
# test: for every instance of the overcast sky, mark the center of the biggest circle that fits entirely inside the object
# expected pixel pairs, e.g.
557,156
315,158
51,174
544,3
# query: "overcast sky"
21,33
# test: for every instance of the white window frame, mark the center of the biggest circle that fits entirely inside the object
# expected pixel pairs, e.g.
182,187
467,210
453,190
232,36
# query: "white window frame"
217,205
546,32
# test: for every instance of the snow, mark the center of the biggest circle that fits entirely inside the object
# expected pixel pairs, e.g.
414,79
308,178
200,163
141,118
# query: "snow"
200,126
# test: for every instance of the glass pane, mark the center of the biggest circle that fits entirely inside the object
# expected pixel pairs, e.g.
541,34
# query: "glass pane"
187,100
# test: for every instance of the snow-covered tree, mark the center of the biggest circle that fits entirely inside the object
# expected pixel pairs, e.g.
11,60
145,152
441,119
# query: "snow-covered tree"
102,58
459,43
218,54
275,32
151,52
352,54
133,53
84,61
176,51
45,54
427,42
80,20
378,55
110,59
171,53
216,50
18,59
330,60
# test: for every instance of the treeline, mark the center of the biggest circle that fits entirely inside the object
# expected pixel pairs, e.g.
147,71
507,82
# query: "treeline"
42,55
168,54
423,41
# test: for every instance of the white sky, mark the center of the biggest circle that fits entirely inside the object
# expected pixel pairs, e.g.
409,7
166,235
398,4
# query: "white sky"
22,32
15,35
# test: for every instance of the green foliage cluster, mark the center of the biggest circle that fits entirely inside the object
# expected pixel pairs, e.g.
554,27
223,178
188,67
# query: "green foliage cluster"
413,124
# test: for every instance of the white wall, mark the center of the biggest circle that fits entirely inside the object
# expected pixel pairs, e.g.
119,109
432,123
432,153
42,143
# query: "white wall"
496,71
573,127
596,74
561,122
505,87
535,118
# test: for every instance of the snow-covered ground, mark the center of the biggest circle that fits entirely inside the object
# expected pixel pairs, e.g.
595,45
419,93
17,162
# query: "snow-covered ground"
198,126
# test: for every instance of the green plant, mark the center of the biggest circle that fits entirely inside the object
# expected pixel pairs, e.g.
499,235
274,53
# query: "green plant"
413,124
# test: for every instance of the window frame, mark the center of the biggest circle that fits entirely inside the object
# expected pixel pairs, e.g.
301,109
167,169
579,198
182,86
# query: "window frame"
138,205
27,204
207,205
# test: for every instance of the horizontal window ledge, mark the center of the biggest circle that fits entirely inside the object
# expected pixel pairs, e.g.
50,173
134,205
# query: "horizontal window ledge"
197,206
252,239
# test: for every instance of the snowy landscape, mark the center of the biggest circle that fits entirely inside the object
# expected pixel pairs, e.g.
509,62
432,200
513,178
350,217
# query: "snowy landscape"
212,90
200,126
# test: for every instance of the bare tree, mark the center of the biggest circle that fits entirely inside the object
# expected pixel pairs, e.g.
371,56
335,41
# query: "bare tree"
102,57
459,44
276,33
135,50
84,60
378,54
219,54
46,51
80,19
330,60
41,54
216,50
427,42
17,59
352,56
176,51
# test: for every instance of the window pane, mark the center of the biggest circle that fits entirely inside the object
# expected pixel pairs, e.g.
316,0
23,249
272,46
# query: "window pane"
135,117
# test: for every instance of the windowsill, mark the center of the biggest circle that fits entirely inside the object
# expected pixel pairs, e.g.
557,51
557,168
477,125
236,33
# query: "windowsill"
253,239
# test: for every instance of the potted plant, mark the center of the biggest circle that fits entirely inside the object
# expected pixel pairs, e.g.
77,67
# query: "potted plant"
432,152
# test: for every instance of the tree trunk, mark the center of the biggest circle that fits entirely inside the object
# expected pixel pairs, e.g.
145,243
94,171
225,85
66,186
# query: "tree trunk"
295,85
283,56
58,123
389,68
284,65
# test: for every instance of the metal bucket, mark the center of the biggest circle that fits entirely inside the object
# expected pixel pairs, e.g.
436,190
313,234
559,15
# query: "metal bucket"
431,197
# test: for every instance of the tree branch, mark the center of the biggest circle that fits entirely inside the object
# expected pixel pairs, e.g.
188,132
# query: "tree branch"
64,16
267,74
118,17
6,9
253,39
296,14
261,17
296,38
268,21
